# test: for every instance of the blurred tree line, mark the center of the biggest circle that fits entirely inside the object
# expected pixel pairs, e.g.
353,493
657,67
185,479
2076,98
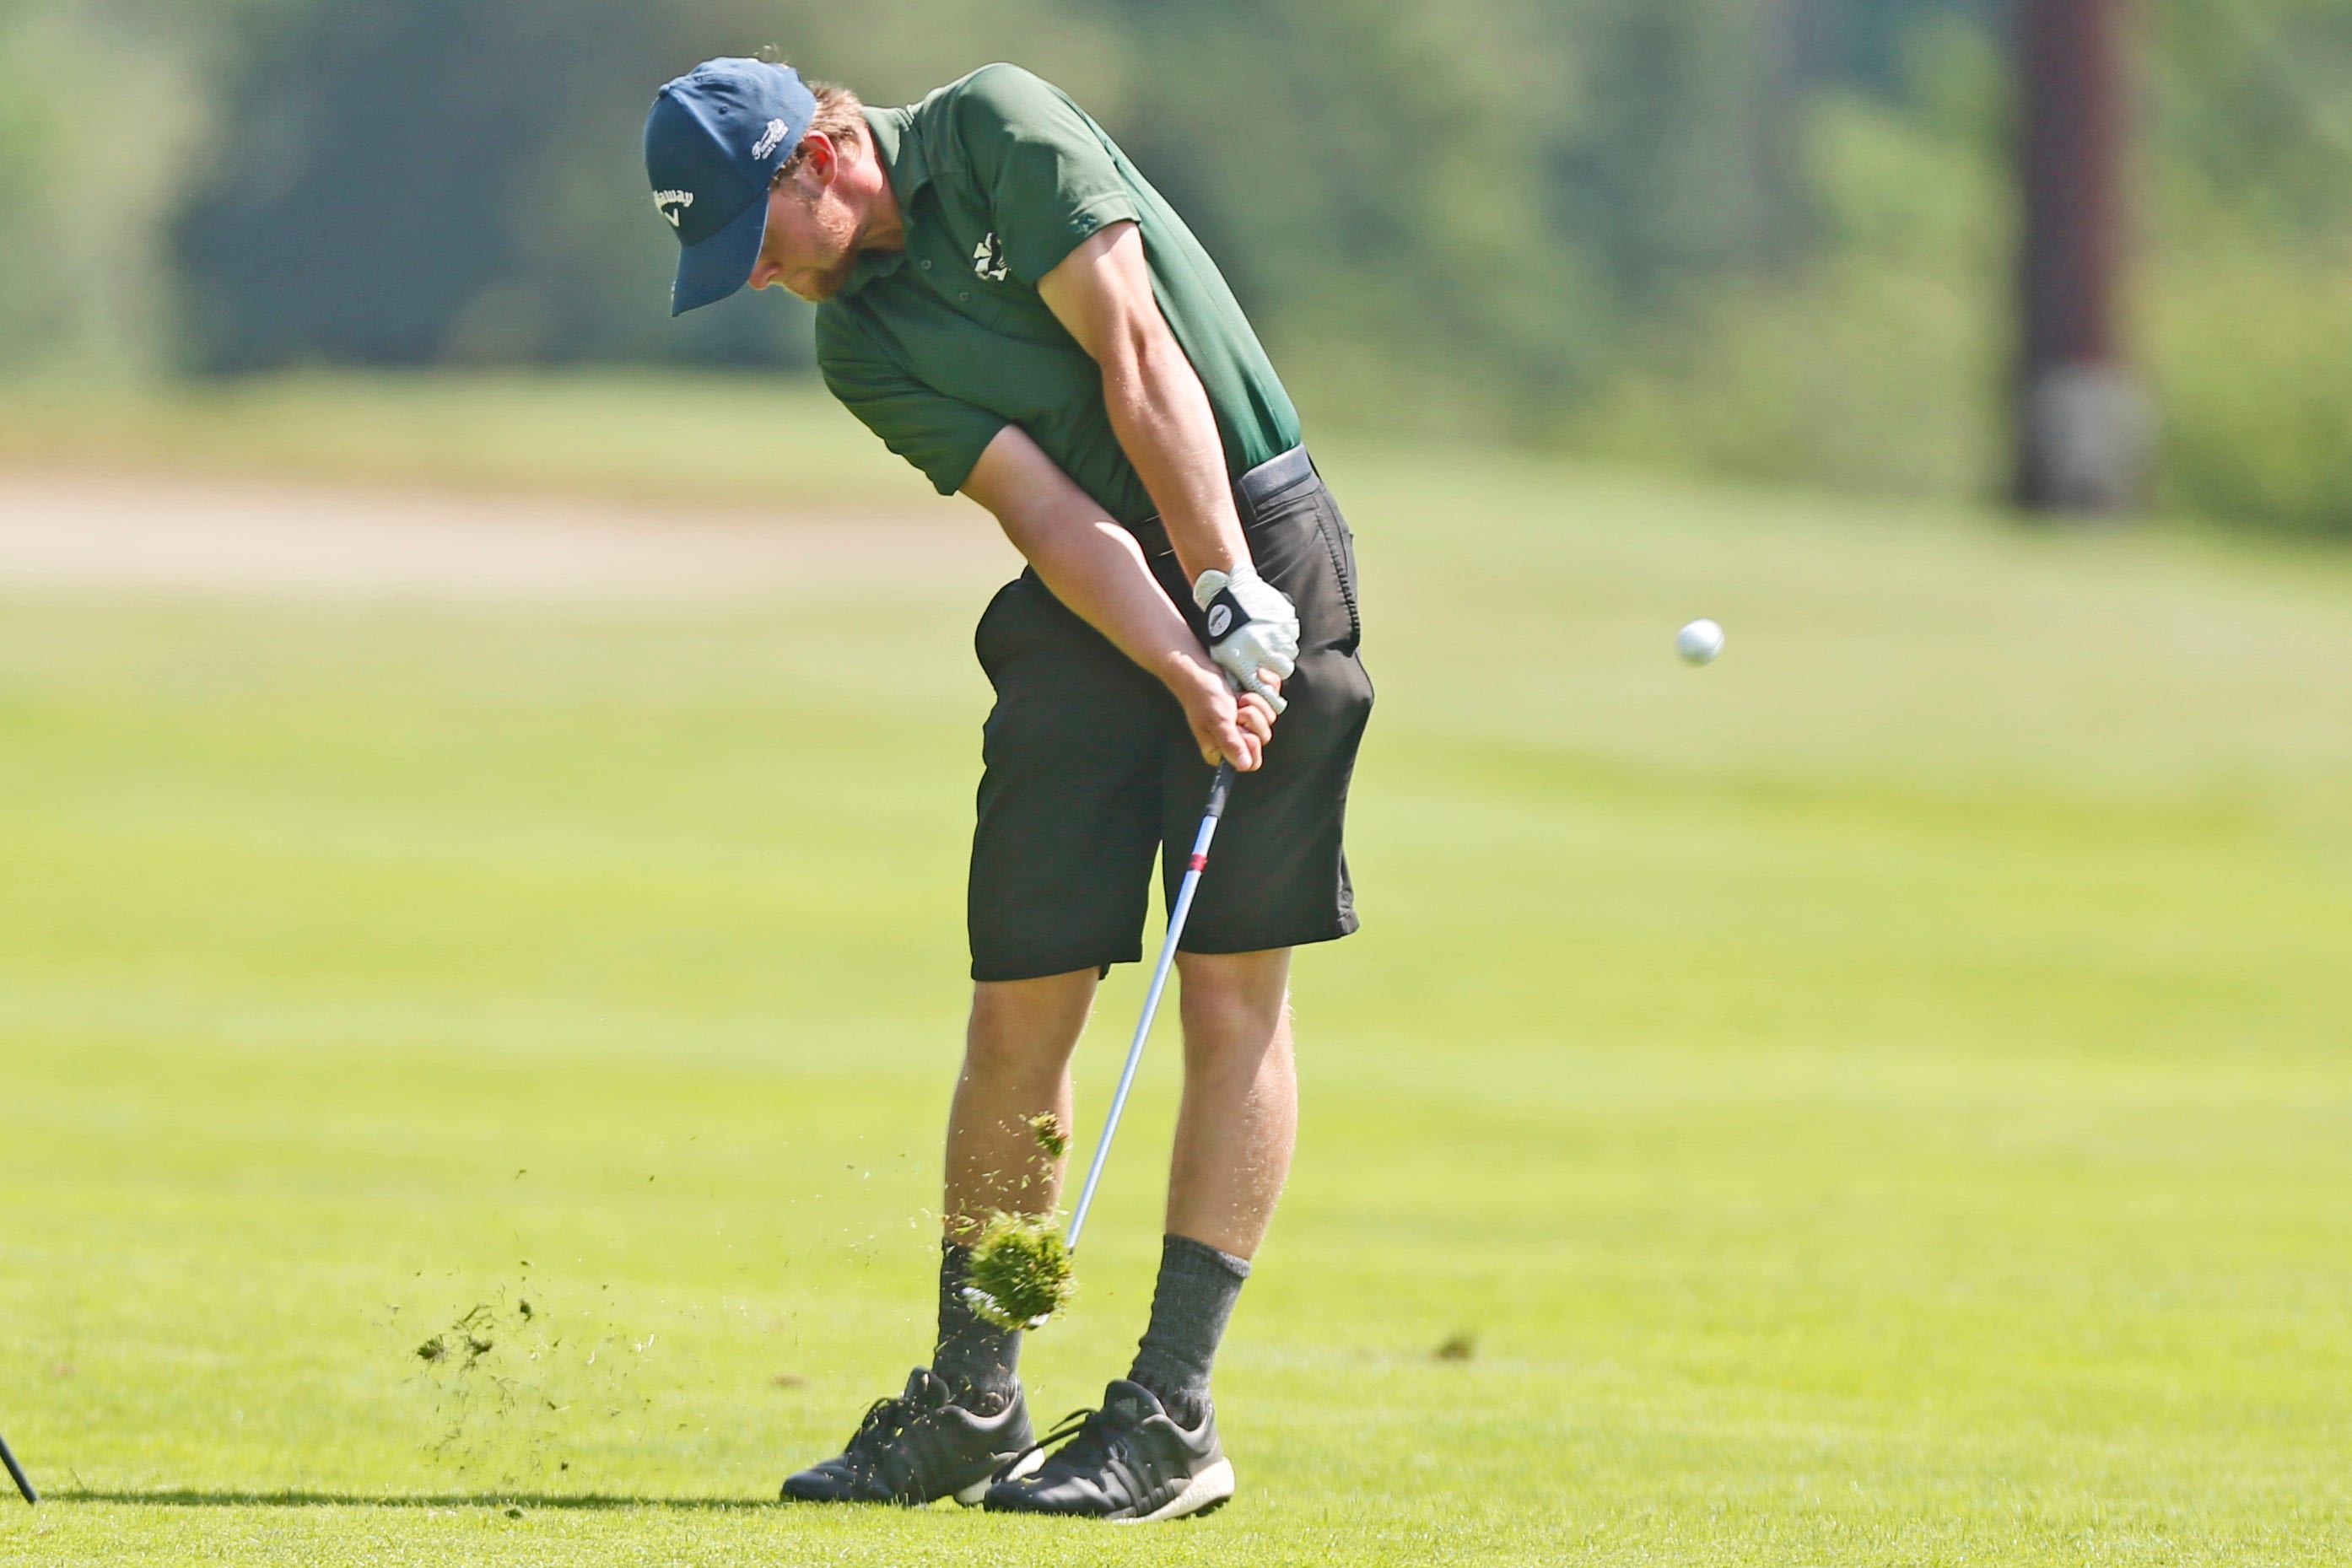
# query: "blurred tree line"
1761,238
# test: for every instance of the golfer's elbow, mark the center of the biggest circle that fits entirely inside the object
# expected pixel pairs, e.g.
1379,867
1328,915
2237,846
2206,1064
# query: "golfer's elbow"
1056,539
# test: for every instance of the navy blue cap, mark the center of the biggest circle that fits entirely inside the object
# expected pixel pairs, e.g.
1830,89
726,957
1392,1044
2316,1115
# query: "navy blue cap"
714,138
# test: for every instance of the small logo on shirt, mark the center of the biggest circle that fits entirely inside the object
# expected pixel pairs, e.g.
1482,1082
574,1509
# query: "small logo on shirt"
988,259
770,139
665,201
1220,618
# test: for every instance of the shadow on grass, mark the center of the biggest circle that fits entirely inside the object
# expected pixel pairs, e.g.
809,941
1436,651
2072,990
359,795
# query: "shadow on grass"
526,1500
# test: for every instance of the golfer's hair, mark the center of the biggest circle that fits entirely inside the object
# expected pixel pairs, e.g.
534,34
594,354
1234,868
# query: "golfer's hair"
839,114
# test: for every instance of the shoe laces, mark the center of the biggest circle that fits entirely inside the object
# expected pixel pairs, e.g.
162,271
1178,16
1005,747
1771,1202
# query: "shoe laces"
883,1419
1091,1446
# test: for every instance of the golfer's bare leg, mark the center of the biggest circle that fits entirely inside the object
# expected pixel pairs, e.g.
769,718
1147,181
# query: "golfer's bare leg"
1016,1063
1239,1116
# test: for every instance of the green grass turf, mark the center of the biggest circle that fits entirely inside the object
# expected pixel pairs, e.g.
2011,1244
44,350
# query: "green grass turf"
1879,1100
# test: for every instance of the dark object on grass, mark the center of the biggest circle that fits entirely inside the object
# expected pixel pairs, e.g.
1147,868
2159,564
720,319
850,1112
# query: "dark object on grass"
1019,1271
1460,1347
16,1473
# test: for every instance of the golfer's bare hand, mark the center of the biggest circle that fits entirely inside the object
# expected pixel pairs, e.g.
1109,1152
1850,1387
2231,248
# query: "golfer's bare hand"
1228,726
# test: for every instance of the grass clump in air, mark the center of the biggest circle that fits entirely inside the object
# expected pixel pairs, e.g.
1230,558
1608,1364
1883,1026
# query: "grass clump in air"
1020,1272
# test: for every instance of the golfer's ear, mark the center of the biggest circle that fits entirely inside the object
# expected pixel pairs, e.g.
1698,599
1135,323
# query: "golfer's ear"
820,159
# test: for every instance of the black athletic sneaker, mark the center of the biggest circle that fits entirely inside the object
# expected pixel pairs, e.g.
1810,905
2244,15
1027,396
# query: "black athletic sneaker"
1127,1461
919,1447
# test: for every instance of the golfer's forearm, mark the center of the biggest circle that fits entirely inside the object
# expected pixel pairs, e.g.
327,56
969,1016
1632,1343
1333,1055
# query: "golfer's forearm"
1091,563
1160,413
1095,567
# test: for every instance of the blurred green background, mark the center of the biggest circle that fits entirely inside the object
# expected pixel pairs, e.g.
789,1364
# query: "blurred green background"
1763,238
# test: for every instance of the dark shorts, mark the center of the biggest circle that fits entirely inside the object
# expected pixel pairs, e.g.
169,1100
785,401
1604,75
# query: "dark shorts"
1092,772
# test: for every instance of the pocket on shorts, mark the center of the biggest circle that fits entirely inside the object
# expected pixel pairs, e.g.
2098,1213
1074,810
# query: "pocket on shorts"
1301,547
1341,541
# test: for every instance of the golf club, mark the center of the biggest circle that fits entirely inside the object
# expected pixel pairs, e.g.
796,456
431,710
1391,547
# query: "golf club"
1218,790
1020,1271
16,1471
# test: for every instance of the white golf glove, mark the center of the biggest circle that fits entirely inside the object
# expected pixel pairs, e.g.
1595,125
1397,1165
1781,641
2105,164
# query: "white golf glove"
1253,629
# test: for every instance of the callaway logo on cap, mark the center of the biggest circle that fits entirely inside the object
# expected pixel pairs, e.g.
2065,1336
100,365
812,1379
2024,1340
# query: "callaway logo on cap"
714,138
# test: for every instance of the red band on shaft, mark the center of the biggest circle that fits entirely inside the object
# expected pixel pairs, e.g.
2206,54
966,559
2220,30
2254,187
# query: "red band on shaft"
1197,861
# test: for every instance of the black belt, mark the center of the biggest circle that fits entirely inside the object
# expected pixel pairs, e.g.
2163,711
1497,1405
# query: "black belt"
1253,490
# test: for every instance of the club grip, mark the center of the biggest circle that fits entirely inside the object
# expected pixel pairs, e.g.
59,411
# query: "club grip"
1219,790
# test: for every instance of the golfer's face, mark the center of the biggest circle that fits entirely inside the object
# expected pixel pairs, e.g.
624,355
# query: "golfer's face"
811,243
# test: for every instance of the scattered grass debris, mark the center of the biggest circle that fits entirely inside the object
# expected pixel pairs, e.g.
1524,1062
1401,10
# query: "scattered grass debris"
514,1378
1052,1135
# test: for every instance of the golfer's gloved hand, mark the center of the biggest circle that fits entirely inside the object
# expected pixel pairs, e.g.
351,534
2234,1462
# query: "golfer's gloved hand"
1253,629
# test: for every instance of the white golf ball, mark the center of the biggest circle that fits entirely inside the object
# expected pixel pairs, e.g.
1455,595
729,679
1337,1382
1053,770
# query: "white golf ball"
1699,641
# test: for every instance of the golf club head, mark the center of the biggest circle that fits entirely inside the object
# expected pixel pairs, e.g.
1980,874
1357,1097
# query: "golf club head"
987,1306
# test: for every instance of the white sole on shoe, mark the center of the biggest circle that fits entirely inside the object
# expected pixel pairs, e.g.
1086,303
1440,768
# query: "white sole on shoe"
969,1497
1205,1491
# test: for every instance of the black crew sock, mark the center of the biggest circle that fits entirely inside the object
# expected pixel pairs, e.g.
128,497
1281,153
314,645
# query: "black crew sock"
975,1359
1198,1287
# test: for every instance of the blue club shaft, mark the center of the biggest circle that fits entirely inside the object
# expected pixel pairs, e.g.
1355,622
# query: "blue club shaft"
1218,792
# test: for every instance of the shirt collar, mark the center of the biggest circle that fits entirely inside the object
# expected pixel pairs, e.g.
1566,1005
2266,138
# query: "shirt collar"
901,152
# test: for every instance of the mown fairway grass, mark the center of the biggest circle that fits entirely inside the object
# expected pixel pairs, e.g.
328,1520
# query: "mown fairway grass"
1880,1100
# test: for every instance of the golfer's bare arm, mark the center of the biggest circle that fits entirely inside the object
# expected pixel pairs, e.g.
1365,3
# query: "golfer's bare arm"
1091,563
1101,292
1093,566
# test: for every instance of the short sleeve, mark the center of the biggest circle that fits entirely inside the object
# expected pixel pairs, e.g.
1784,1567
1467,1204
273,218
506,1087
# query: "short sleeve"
1050,180
942,436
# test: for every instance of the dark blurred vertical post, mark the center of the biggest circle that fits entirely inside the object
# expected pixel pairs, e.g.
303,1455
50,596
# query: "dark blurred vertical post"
1774,154
2083,432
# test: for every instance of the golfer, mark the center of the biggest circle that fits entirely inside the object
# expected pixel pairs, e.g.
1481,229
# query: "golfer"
1008,304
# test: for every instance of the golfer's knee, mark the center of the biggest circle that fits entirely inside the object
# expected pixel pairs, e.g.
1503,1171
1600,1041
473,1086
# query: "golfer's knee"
1236,1005
1027,1025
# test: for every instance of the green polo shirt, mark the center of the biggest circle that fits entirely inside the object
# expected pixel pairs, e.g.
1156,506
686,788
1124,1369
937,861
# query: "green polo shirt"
936,348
